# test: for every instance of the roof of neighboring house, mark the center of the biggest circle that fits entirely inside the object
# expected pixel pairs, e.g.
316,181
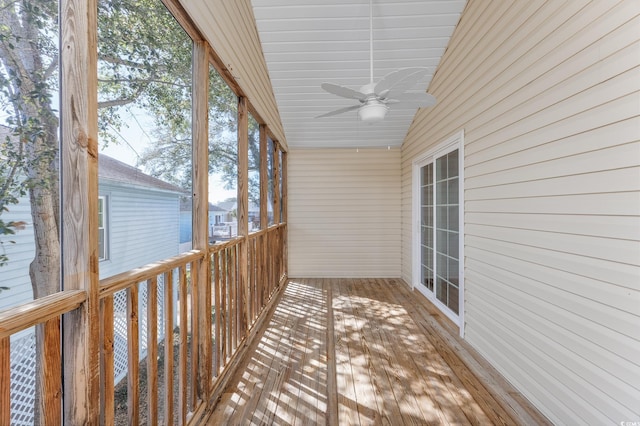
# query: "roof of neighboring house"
111,169
117,171
186,205
227,205
232,205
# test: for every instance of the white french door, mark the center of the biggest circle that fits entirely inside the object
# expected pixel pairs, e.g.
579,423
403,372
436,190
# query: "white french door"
438,227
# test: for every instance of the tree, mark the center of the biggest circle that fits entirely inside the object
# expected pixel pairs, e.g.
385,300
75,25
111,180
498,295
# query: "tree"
144,60
170,159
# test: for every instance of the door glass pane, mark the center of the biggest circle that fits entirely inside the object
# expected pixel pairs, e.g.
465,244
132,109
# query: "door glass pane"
447,227
426,231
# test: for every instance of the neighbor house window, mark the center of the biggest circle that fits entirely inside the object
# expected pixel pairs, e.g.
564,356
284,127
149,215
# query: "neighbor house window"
102,228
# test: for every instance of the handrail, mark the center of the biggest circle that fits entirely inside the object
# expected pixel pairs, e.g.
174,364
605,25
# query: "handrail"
111,285
255,234
38,311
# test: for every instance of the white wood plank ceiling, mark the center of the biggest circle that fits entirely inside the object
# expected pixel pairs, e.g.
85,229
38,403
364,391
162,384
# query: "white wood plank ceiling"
308,42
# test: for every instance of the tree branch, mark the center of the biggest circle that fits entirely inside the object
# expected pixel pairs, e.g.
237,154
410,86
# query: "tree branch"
52,67
144,81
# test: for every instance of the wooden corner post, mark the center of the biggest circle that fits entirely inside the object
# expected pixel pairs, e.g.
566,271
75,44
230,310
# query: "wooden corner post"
264,170
79,164
285,211
201,212
243,211
276,183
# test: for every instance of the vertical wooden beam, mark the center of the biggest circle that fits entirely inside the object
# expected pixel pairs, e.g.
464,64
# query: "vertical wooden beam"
51,370
5,380
264,178
79,163
107,403
276,183
285,195
182,361
133,356
200,120
285,212
152,351
194,326
243,212
217,344
168,348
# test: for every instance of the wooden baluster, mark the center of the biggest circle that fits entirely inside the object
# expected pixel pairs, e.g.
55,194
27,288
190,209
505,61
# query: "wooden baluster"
152,351
5,380
106,362
182,374
133,355
168,348
218,331
193,311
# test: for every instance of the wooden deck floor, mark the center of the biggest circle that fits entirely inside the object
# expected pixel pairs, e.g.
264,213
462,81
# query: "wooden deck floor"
364,351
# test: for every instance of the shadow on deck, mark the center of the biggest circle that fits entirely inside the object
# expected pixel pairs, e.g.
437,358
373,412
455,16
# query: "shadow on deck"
364,351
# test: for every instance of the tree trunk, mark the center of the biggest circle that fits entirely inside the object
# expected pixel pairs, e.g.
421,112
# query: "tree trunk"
45,269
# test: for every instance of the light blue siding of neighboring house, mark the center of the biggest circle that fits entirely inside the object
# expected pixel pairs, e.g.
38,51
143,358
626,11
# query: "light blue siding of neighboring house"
142,226
15,274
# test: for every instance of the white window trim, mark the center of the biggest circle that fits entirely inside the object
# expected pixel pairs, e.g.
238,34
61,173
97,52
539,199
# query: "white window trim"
452,143
105,226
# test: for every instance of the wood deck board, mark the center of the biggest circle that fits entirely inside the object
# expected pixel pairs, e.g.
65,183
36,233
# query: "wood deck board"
363,351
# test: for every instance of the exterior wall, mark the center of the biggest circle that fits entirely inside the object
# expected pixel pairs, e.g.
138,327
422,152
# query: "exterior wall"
143,227
547,95
15,274
344,213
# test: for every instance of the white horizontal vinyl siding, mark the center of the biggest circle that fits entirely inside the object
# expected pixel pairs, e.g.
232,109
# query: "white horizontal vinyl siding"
344,213
548,95
143,227
19,249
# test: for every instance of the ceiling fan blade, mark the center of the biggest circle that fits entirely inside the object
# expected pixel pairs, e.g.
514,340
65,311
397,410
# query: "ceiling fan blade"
339,111
420,99
400,80
343,92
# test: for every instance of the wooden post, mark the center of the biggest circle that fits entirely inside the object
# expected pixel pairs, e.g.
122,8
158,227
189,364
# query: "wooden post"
201,214
152,351
79,163
264,178
276,183
133,356
168,348
285,213
243,211
5,380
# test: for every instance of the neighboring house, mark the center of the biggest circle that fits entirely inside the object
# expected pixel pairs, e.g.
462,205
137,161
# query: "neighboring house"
138,219
217,215
230,208
138,215
141,214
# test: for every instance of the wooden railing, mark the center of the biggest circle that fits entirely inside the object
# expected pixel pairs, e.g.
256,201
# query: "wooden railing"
44,313
208,327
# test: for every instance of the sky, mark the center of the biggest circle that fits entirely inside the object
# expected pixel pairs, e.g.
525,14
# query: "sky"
135,137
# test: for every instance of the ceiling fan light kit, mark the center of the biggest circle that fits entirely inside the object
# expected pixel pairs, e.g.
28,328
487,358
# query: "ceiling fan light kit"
374,97
372,112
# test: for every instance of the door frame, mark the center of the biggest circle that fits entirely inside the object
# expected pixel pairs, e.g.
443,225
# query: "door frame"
456,141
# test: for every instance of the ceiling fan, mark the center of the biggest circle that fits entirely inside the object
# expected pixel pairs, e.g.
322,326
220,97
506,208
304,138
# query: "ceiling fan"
374,98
